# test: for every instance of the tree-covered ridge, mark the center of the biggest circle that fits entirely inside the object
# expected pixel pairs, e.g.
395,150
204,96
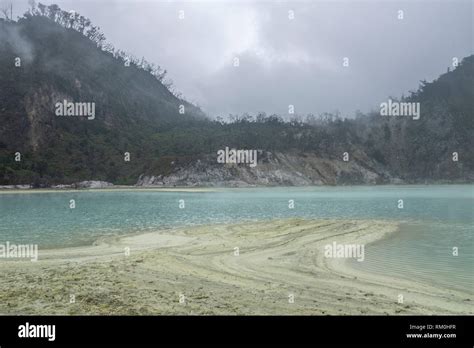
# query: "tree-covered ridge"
84,26
60,63
64,58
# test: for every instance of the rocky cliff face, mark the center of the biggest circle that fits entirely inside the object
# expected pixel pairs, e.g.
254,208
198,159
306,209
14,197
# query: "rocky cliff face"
287,169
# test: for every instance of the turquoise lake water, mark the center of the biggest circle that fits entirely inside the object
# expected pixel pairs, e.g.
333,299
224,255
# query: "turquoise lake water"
435,219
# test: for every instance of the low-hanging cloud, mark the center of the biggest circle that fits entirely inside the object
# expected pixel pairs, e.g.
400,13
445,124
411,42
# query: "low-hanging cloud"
20,46
286,61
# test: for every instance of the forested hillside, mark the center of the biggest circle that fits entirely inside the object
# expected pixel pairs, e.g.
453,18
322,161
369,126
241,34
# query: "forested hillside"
64,57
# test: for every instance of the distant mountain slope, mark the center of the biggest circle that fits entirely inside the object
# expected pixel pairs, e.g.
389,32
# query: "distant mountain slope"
437,147
135,113
60,64
418,150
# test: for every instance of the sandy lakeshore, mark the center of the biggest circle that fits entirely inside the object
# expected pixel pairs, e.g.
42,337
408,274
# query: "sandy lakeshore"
277,261
115,188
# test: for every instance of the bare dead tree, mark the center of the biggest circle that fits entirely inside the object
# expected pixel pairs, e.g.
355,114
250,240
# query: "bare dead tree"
6,9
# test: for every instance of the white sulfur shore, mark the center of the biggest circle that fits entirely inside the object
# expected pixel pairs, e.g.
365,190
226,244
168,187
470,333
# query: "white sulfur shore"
277,261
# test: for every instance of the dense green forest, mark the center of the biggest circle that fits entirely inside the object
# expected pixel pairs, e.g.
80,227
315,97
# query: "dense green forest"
66,57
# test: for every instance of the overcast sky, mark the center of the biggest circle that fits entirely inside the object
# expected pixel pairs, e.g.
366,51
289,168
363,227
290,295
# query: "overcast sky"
285,61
